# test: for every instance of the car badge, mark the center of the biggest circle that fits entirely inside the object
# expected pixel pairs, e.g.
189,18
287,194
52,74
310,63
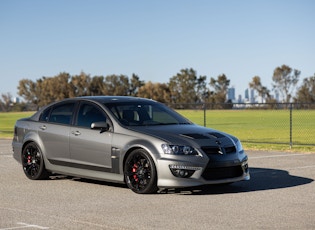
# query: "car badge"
221,151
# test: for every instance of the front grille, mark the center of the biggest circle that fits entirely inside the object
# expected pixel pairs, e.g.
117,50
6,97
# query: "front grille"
210,150
222,173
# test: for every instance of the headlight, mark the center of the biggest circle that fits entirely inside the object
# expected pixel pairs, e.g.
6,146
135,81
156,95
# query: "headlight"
239,146
179,149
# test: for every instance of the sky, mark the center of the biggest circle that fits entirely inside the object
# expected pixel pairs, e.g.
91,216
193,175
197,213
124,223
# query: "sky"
155,39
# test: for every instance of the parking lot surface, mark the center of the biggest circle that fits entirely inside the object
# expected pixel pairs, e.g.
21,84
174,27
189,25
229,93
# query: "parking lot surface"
280,195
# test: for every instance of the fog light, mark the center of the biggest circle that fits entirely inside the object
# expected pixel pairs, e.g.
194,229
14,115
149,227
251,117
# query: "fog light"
245,166
183,171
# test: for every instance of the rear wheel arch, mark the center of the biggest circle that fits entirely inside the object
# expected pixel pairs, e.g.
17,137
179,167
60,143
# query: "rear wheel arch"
26,143
37,140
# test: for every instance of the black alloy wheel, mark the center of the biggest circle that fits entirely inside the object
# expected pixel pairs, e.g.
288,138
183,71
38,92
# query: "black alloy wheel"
140,172
33,162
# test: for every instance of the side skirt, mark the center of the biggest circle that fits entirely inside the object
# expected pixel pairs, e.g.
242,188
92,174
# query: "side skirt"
85,171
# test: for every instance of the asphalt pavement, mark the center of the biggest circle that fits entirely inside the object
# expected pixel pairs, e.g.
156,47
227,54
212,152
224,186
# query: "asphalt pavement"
280,195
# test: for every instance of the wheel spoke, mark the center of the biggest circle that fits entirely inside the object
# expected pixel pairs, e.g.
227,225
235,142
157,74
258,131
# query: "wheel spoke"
138,172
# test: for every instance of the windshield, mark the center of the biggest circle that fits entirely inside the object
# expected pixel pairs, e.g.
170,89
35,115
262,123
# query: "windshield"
145,113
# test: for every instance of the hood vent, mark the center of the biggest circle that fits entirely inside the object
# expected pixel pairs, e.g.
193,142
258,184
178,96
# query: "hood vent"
195,136
203,136
216,135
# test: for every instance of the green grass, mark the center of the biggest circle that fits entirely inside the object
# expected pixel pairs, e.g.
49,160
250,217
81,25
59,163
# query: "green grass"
257,129
262,129
7,121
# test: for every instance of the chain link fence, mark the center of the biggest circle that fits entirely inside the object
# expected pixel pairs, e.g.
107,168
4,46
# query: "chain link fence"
291,124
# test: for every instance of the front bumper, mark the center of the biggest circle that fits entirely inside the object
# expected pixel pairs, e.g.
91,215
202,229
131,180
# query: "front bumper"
201,172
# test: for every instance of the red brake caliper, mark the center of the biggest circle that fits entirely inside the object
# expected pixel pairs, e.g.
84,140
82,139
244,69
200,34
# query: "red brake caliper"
29,158
134,170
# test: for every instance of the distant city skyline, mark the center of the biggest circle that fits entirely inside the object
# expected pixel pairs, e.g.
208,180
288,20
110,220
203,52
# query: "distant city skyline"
249,96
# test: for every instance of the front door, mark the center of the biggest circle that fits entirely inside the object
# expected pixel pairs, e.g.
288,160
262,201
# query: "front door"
90,148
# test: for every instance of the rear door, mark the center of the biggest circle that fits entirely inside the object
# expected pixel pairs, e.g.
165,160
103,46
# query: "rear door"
90,148
53,130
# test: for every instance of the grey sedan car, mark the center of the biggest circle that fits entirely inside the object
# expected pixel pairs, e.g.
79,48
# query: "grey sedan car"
136,141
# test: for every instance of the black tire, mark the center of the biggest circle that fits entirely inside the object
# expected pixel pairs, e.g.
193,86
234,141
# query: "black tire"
33,162
140,172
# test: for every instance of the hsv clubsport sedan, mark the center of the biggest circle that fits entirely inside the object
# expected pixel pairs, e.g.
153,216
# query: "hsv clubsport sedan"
136,141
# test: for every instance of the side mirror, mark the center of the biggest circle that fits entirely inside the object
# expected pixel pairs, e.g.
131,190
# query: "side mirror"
101,125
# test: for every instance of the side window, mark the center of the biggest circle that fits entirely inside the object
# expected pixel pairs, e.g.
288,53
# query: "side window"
62,113
45,115
89,113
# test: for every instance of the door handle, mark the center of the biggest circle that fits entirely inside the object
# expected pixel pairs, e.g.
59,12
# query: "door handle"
76,133
43,127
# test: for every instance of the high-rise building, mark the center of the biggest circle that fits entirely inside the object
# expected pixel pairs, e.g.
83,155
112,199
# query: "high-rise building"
240,100
16,100
246,95
231,94
249,96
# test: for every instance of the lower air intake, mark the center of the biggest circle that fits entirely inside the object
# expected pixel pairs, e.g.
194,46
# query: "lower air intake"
222,173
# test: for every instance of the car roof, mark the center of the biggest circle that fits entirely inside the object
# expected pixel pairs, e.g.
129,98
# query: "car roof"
108,99
98,99
101,99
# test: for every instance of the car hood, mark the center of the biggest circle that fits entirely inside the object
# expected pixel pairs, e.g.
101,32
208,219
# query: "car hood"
191,134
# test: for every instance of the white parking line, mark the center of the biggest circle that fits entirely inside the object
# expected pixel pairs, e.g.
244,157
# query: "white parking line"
8,156
54,217
25,225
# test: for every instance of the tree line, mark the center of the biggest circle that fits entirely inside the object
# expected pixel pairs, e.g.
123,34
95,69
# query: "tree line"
186,87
